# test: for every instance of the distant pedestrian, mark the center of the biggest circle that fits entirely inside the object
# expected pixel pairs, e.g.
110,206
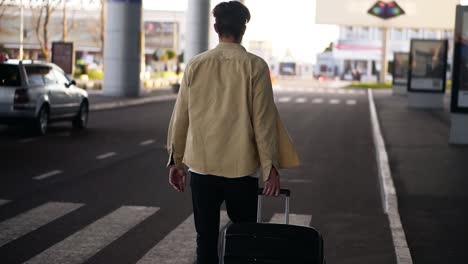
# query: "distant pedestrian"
224,128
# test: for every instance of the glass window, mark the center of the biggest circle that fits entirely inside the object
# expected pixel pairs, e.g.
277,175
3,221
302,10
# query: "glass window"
61,79
35,76
49,76
363,33
397,34
9,75
415,33
378,33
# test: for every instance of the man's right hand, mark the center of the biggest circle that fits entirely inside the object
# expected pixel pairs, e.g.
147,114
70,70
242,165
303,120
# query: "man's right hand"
177,178
272,185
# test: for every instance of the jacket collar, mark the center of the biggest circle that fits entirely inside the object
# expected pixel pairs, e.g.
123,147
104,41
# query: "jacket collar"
225,45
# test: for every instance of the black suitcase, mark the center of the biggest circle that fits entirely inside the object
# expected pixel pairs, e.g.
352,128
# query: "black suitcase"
266,243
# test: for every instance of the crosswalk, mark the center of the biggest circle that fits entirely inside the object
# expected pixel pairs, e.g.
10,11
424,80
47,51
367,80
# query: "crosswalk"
341,91
305,100
95,236
33,219
91,239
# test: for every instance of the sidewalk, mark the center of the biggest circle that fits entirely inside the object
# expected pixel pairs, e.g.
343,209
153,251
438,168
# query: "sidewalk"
98,101
431,179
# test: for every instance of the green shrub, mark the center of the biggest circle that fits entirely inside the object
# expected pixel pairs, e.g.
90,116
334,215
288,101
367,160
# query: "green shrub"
371,85
96,74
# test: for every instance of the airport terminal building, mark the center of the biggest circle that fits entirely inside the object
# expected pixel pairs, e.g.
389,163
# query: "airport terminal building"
359,49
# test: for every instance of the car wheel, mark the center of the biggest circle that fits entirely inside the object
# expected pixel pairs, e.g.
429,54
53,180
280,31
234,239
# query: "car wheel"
42,121
81,119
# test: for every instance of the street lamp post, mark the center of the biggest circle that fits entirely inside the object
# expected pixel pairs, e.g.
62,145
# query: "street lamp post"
385,11
21,31
384,57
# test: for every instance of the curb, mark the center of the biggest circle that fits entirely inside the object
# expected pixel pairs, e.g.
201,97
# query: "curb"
389,195
132,102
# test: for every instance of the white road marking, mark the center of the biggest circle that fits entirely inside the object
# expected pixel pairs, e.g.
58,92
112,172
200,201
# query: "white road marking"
47,175
27,140
2,202
147,142
284,99
390,199
317,101
351,102
334,101
301,100
320,90
341,91
31,220
294,219
138,101
85,243
297,181
183,239
106,155
352,91
332,91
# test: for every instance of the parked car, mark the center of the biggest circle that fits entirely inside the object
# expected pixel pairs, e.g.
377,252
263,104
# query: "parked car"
36,93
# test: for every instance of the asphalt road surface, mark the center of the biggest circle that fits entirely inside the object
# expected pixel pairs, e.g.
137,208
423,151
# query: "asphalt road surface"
102,196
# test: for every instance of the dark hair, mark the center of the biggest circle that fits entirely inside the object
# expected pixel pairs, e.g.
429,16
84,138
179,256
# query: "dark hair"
231,18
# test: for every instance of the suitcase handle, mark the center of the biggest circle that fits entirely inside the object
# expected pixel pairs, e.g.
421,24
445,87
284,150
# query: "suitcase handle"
285,192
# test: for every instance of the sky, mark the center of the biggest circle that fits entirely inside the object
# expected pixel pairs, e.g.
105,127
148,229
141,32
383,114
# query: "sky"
289,25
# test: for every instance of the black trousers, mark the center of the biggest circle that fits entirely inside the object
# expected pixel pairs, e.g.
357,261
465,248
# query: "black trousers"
208,193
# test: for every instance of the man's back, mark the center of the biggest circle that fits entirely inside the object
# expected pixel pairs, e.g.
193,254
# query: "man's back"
219,86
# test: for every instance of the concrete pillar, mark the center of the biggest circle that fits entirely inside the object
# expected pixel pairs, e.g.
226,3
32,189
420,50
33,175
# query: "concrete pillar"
122,48
198,23
369,71
459,129
384,59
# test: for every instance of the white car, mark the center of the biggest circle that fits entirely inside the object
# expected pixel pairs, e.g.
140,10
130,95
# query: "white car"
37,92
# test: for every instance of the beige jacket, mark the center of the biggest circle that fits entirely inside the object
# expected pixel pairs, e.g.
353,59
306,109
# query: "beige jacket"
225,121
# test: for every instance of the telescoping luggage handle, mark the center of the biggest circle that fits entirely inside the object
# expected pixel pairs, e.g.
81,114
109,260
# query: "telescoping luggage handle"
285,192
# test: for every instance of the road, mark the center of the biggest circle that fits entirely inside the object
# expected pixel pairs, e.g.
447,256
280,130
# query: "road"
101,195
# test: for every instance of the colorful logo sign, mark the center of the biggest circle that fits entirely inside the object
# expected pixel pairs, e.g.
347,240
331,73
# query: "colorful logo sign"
386,10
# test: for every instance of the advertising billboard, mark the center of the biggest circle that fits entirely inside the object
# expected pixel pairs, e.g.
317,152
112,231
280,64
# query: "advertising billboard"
428,66
63,55
160,35
422,14
400,68
287,68
460,62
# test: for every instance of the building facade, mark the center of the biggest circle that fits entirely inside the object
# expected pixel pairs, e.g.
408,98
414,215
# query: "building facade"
359,50
163,30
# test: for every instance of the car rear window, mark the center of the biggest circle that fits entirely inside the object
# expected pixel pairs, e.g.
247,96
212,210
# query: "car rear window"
36,75
9,75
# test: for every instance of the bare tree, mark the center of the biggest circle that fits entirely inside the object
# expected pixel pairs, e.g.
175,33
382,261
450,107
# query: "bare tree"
67,27
103,21
41,17
98,31
3,6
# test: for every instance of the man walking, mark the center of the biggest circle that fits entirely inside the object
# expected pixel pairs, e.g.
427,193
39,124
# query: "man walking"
224,128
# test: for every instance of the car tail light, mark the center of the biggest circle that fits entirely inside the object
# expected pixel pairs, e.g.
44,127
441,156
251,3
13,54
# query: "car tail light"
21,96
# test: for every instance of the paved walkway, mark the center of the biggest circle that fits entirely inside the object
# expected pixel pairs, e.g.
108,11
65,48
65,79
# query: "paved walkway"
431,179
98,101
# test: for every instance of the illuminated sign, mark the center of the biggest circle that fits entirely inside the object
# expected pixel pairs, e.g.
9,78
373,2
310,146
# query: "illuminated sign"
385,10
63,55
428,65
460,62
400,68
